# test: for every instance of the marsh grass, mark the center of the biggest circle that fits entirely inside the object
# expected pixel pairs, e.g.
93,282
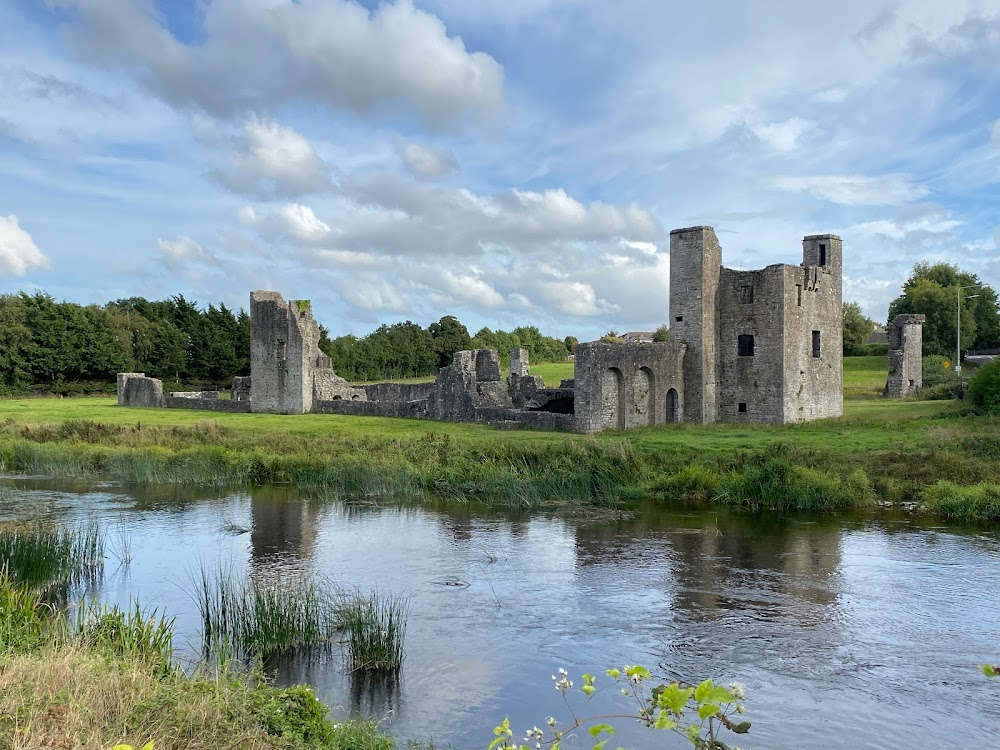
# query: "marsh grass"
977,503
46,558
129,633
25,620
375,627
249,618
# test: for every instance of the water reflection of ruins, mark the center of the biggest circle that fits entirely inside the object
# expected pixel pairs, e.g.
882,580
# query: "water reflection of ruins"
765,568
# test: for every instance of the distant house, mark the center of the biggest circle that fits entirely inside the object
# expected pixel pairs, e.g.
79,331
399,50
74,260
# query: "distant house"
638,337
878,336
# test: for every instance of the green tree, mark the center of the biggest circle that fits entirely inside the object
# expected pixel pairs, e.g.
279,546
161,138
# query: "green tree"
449,336
662,334
934,291
857,329
571,342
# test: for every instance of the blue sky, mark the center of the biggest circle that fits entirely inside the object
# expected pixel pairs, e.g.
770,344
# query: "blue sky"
505,161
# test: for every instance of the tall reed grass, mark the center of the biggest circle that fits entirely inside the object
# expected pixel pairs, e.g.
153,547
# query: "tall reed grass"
375,626
129,633
978,502
24,618
45,558
250,618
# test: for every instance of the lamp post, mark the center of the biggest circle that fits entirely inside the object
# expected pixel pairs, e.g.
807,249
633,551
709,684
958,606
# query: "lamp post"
958,325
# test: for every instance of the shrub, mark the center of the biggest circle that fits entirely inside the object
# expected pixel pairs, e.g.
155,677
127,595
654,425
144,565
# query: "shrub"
935,373
693,483
978,502
984,389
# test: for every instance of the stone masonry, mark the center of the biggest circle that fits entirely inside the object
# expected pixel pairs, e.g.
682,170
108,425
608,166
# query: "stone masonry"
906,340
745,346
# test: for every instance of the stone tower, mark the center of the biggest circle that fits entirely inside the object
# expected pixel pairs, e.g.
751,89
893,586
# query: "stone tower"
695,266
906,345
284,350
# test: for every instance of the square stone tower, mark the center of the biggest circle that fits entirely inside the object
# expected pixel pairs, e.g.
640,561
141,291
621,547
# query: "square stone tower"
695,266
906,351
284,350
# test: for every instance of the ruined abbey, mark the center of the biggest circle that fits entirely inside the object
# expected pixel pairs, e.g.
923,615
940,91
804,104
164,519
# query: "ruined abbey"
745,346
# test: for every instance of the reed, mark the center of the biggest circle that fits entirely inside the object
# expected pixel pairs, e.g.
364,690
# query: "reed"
24,618
129,633
42,558
375,626
250,618
978,503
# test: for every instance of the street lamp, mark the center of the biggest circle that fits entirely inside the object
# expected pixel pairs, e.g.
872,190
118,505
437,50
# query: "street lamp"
958,326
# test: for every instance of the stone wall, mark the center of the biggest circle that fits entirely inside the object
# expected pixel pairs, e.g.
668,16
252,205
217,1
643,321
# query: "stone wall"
284,352
399,392
906,344
623,386
174,401
135,389
750,385
813,323
240,389
328,386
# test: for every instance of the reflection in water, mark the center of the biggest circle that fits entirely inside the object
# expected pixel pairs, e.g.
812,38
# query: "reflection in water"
845,631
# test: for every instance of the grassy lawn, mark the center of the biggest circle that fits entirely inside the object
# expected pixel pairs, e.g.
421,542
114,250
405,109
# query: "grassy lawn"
901,447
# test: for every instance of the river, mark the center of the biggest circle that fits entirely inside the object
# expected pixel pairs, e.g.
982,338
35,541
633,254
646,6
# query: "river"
859,632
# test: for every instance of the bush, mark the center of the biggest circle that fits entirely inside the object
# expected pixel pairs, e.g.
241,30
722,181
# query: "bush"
984,389
936,373
978,502
940,392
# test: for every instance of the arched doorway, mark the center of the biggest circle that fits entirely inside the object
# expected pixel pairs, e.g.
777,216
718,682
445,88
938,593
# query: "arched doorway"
644,396
673,406
613,399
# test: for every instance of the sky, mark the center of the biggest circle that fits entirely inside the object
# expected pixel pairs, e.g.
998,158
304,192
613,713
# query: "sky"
509,162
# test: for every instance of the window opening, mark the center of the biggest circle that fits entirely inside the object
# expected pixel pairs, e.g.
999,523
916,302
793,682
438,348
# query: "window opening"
798,294
742,407
816,344
745,345
679,319
746,294
822,254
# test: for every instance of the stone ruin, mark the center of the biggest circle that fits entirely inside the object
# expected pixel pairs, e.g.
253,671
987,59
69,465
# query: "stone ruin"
745,346
906,341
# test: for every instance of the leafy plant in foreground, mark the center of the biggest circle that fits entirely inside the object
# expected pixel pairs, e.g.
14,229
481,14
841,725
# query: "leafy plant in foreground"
698,713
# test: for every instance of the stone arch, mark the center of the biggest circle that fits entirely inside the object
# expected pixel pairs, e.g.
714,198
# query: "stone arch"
644,396
613,399
673,413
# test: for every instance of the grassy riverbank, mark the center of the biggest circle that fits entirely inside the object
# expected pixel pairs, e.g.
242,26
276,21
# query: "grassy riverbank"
890,451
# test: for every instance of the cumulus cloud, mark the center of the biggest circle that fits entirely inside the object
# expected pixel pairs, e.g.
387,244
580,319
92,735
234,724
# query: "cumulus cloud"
183,254
18,251
907,227
426,162
268,159
258,55
856,189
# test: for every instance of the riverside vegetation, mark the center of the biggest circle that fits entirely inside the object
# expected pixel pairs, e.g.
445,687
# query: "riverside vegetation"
936,454
109,675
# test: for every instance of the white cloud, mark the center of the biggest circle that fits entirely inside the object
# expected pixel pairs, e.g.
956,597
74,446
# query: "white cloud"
258,55
269,159
182,254
901,228
18,251
781,136
426,162
301,223
856,189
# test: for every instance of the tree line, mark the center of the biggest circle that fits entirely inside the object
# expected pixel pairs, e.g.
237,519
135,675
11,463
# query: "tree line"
65,347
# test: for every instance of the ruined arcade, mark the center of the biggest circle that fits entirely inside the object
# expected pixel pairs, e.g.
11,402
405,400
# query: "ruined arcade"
759,346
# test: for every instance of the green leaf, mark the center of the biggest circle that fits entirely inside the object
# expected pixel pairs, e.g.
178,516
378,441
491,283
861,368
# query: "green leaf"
719,694
693,733
701,692
989,670
706,710
674,698
613,673
742,728
640,672
588,689
598,729
600,745
663,721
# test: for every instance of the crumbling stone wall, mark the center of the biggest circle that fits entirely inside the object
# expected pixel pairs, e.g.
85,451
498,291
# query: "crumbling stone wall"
521,385
906,343
240,389
623,386
135,389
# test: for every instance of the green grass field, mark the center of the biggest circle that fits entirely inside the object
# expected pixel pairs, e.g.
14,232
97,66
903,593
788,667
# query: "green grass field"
903,447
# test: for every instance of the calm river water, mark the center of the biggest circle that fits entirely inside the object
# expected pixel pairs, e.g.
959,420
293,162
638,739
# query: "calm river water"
860,633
